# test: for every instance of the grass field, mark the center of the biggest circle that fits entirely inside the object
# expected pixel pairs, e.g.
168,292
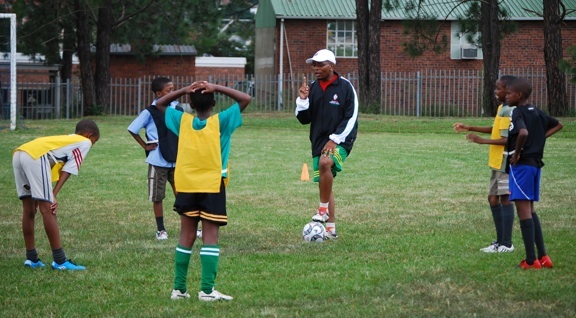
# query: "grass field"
412,215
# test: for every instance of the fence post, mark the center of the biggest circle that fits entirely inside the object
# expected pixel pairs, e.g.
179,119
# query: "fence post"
57,95
67,98
139,94
418,93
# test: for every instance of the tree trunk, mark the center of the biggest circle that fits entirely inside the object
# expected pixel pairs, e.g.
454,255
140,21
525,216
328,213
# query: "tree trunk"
68,48
102,75
555,77
374,70
83,45
368,33
490,27
362,32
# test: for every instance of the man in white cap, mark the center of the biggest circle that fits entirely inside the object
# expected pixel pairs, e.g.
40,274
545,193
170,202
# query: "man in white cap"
330,106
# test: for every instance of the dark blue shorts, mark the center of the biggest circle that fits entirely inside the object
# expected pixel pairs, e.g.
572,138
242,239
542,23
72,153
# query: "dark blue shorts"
524,183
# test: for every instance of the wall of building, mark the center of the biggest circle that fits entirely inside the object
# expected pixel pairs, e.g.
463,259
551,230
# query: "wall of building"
521,49
122,66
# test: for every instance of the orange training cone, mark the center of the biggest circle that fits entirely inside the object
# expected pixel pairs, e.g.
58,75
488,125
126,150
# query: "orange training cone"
304,176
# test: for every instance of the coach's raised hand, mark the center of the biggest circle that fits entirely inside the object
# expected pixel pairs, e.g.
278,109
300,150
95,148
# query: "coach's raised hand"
304,90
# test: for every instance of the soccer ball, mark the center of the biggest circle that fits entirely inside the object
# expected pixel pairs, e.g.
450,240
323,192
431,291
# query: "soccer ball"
314,232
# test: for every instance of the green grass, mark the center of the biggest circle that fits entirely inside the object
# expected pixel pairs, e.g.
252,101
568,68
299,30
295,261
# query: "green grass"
412,214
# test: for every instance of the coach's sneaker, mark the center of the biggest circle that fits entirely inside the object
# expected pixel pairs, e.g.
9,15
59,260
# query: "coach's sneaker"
161,235
37,264
492,248
321,215
505,249
536,265
545,261
214,295
67,266
331,234
176,294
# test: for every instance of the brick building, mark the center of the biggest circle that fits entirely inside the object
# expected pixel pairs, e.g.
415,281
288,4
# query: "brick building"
290,31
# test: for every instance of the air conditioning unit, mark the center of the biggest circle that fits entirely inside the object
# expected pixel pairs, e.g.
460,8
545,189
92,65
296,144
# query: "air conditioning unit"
468,52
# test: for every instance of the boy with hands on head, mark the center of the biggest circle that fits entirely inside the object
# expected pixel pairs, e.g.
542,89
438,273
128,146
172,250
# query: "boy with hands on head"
201,177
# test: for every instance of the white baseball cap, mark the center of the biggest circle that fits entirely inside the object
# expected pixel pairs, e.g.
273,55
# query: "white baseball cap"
322,56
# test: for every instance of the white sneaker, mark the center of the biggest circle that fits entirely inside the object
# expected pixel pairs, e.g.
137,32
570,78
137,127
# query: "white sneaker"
161,235
492,248
214,295
330,235
199,233
505,249
176,294
321,216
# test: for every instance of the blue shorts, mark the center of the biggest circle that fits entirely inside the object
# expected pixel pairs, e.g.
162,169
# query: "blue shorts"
524,183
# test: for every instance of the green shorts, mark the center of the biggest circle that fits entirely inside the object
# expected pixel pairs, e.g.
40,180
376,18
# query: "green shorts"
338,157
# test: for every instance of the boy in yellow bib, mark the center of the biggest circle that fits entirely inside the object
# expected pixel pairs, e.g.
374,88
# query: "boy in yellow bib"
201,176
36,165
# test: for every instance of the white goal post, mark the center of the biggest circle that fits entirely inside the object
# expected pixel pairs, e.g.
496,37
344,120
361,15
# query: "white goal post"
12,17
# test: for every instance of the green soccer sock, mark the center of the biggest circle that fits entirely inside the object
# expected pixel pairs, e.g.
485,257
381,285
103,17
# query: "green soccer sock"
209,256
181,262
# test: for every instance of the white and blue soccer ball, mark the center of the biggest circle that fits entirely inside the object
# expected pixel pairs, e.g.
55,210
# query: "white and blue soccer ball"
314,232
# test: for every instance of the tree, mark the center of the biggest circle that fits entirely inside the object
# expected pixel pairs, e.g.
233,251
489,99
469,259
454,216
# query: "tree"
368,16
554,13
569,65
482,17
90,26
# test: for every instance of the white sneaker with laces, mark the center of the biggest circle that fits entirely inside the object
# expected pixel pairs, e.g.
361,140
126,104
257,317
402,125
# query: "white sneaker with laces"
321,216
331,235
492,248
161,235
176,294
505,249
199,233
213,296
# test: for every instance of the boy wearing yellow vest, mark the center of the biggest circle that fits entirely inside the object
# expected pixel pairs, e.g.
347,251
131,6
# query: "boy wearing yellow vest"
36,165
201,177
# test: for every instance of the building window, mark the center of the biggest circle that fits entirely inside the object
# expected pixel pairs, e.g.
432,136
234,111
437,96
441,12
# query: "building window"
341,38
460,46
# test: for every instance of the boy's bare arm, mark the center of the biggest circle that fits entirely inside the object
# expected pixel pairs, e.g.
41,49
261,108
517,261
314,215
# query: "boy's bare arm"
460,127
486,141
165,100
142,143
241,98
554,130
522,136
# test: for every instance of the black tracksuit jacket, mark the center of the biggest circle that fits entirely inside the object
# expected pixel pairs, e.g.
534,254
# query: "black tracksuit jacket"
332,115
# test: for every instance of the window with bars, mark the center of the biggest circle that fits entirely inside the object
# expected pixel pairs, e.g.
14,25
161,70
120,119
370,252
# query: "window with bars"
341,38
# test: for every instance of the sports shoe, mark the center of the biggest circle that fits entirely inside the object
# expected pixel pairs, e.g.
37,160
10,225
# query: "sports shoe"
199,233
545,261
505,249
492,248
67,266
214,295
38,264
176,294
331,235
525,265
161,235
321,215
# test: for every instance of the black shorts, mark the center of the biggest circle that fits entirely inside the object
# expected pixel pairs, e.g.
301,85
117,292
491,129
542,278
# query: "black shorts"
205,206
